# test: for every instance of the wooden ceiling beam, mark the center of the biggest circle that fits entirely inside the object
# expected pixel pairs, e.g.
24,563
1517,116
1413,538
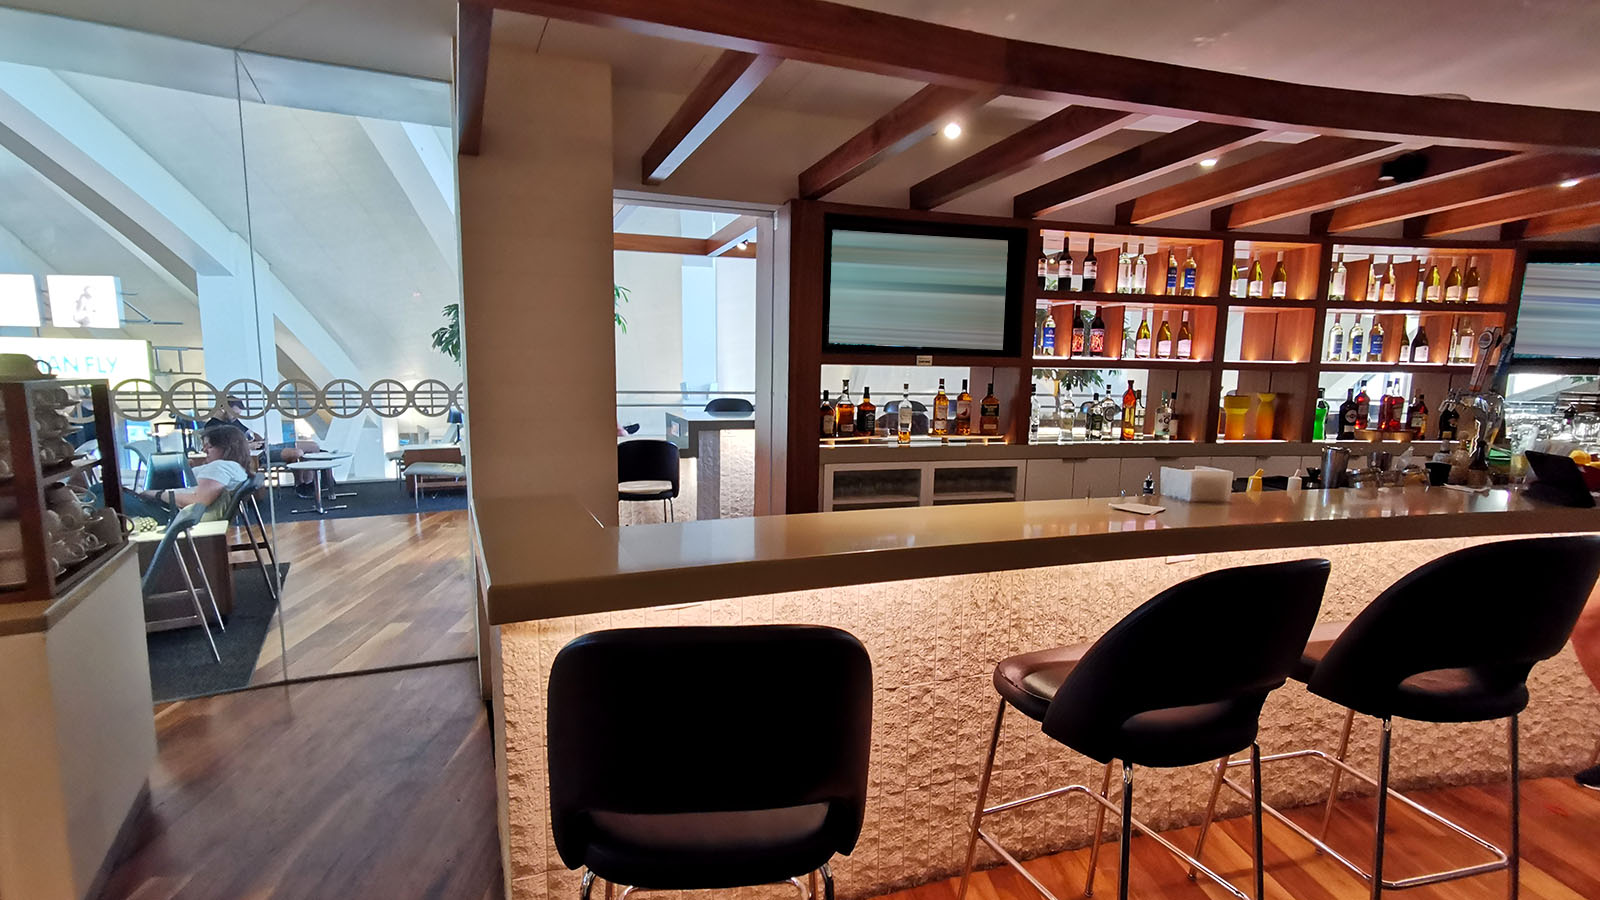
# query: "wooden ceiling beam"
1517,176
729,236
834,34
473,24
1044,140
680,246
1277,168
919,116
1350,184
1552,223
1545,201
1150,159
732,78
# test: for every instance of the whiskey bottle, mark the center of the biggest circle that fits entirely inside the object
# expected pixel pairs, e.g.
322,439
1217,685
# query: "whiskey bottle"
1185,338
1163,427
1469,284
1448,418
989,413
1096,425
941,411
1047,335
845,413
1164,339
1172,272
905,415
1417,416
866,415
1319,422
964,410
1190,272
1336,341
1280,279
1130,406
1348,418
1363,407
1141,340
829,426
1091,268
1141,272
1258,281
1336,279
1391,409
1097,334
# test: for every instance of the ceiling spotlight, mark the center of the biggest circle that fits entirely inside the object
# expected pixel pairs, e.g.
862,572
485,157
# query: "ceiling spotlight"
1570,182
1403,169
952,130
1208,163
744,245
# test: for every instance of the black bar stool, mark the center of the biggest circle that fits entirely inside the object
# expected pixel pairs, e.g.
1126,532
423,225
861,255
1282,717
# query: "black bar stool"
1453,641
1155,691
707,758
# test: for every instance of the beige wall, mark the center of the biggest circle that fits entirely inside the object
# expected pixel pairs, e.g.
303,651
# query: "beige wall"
535,213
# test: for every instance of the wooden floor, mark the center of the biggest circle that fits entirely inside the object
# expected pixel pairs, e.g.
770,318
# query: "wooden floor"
374,786
370,592
1560,854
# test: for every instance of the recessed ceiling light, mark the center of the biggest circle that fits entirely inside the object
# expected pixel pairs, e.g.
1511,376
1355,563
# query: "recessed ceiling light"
952,130
744,245
1570,182
1208,163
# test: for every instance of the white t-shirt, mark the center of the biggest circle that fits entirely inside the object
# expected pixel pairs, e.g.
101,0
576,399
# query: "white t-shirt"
230,474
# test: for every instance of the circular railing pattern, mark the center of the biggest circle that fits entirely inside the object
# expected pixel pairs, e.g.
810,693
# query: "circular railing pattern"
142,400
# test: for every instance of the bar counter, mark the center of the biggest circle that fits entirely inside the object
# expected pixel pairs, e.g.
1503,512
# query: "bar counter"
939,595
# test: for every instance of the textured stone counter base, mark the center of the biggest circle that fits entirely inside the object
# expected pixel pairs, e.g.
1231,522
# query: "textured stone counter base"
934,643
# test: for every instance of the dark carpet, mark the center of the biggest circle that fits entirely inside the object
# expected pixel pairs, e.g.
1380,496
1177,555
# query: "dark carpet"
372,498
181,664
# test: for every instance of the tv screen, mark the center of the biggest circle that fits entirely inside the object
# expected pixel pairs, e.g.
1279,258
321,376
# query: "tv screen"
896,285
1559,317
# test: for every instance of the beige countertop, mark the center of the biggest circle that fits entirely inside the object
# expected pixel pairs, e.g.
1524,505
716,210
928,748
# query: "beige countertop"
550,558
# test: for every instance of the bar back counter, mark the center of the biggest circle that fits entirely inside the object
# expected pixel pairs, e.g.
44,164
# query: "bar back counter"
939,595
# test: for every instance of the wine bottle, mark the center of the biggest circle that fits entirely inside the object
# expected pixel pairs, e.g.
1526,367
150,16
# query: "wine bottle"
1452,349
1374,282
1336,279
1258,284
1130,405
1091,268
1452,284
1469,342
1347,416
964,410
1141,341
1375,341
1044,272
1047,337
1336,341
1164,339
905,414
1280,279
1420,351
1124,270
941,411
1141,272
1238,279
1422,281
1190,272
1080,332
866,415
1319,423
1097,334
989,413
844,413
1435,283
1185,338
1358,337
1172,272
829,426
1389,291
1469,284
1064,273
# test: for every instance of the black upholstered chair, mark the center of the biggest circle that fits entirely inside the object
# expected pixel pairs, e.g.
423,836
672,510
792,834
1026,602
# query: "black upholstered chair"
706,758
647,469
1179,681
1453,641
730,405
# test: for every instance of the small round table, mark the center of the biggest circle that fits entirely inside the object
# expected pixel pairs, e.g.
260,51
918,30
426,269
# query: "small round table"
318,466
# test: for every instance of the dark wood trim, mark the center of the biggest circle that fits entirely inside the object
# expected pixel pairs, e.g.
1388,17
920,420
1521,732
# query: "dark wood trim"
917,117
1277,168
1352,184
1558,223
473,26
834,34
1044,140
1148,160
1518,176
1545,201
730,80
804,328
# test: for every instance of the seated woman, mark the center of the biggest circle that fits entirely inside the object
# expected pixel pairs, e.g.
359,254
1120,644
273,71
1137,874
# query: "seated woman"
304,482
226,467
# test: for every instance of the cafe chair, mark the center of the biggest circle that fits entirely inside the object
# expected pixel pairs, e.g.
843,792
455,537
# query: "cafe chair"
1158,690
730,405
1453,641
179,533
708,757
647,470
241,503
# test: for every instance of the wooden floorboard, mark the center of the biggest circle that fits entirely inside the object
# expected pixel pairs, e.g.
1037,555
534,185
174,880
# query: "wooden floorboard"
1560,854
370,592
374,786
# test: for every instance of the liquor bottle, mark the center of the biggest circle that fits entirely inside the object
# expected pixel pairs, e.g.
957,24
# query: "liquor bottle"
866,415
1033,414
1138,415
845,413
1091,268
1080,422
1363,407
1185,337
1336,279
941,411
1172,272
1375,341
1097,334
1124,270
1141,272
1280,279
1358,336
1452,284
1420,351
1080,334
1348,416
1336,341
905,415
1092,416
1417,416
829,426
1258,281
1064,273
989,413
1130,404
1374,282
1389,291
1238,279
964,410
1422,281
1452,349
1047,335
1044,272
1319,423
1469,284
1164,339
1435,283
1391,409
1468,342
1141,341
1190,272
1164,419
1449,416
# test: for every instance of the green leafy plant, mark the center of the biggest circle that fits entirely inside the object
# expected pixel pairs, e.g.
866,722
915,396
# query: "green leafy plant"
1074,379
447,338
619,296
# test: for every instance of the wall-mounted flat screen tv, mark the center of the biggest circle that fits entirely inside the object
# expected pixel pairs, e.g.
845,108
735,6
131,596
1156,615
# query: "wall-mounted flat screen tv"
1559,315
927,287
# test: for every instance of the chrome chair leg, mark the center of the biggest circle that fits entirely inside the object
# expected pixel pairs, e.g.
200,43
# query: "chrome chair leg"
811,880
586,885
1099,827
983,794
1255,816
1211,810
827,882
194,595
1126,865
1383,807
1515,853
1333,787
262,524
205,579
